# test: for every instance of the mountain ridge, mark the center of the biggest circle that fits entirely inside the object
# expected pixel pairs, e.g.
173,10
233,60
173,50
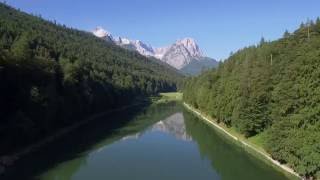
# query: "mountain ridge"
179,55
53,76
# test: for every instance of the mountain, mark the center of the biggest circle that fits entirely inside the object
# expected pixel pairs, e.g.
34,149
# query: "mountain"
135,45
184,55
52,76
101,33
195,67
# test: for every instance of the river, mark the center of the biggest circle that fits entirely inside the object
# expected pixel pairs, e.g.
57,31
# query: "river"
157,142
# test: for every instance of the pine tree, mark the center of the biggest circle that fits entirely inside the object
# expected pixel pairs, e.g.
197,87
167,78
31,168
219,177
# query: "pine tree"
21,49
286,34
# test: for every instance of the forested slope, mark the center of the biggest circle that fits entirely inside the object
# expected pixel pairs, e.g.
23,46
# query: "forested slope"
272,88
52,76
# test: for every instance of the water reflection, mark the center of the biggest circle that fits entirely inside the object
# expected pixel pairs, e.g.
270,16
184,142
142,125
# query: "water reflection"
229,160
159,142
173,125
65,156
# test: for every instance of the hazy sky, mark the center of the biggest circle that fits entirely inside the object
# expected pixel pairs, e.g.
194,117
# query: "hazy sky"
219,26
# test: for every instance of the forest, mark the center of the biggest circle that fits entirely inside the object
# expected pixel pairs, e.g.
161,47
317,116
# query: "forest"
271,90
53,76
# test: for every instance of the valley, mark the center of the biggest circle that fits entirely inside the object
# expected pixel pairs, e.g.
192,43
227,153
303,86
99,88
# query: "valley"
186,92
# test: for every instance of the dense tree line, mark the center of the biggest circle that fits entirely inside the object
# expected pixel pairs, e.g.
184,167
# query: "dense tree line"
271,88
52,76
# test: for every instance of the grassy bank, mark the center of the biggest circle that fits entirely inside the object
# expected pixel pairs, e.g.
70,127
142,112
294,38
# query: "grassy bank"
252,145
167,97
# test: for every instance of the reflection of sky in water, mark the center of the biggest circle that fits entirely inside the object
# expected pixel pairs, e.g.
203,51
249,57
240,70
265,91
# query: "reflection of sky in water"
173,125
158,145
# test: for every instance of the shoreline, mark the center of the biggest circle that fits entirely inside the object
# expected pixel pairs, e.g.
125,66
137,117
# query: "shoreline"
246,144
8,160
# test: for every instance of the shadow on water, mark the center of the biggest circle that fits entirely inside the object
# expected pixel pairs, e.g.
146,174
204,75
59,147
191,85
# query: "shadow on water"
166,141
94,135
229,160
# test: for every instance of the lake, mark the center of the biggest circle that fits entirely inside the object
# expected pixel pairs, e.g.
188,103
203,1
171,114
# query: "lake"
162,141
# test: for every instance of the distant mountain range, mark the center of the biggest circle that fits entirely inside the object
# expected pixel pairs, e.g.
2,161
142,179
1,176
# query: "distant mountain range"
184,55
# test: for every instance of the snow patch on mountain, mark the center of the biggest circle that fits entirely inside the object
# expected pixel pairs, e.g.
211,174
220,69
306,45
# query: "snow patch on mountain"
101,33
159,52
180,54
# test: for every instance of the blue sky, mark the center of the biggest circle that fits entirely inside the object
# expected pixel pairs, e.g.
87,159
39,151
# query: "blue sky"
219,26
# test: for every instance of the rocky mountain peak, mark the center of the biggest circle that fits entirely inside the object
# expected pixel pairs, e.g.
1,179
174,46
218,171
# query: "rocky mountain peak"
191,46
182,53
101,33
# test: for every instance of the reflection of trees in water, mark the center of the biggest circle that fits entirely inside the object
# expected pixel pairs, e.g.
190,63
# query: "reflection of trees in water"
66,155
65,158
66,172
227,159
139,123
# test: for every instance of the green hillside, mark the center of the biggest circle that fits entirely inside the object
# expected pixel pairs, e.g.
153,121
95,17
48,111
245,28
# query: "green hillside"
272,88
52,76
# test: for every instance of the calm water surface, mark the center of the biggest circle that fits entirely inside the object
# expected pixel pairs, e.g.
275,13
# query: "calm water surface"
157,142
